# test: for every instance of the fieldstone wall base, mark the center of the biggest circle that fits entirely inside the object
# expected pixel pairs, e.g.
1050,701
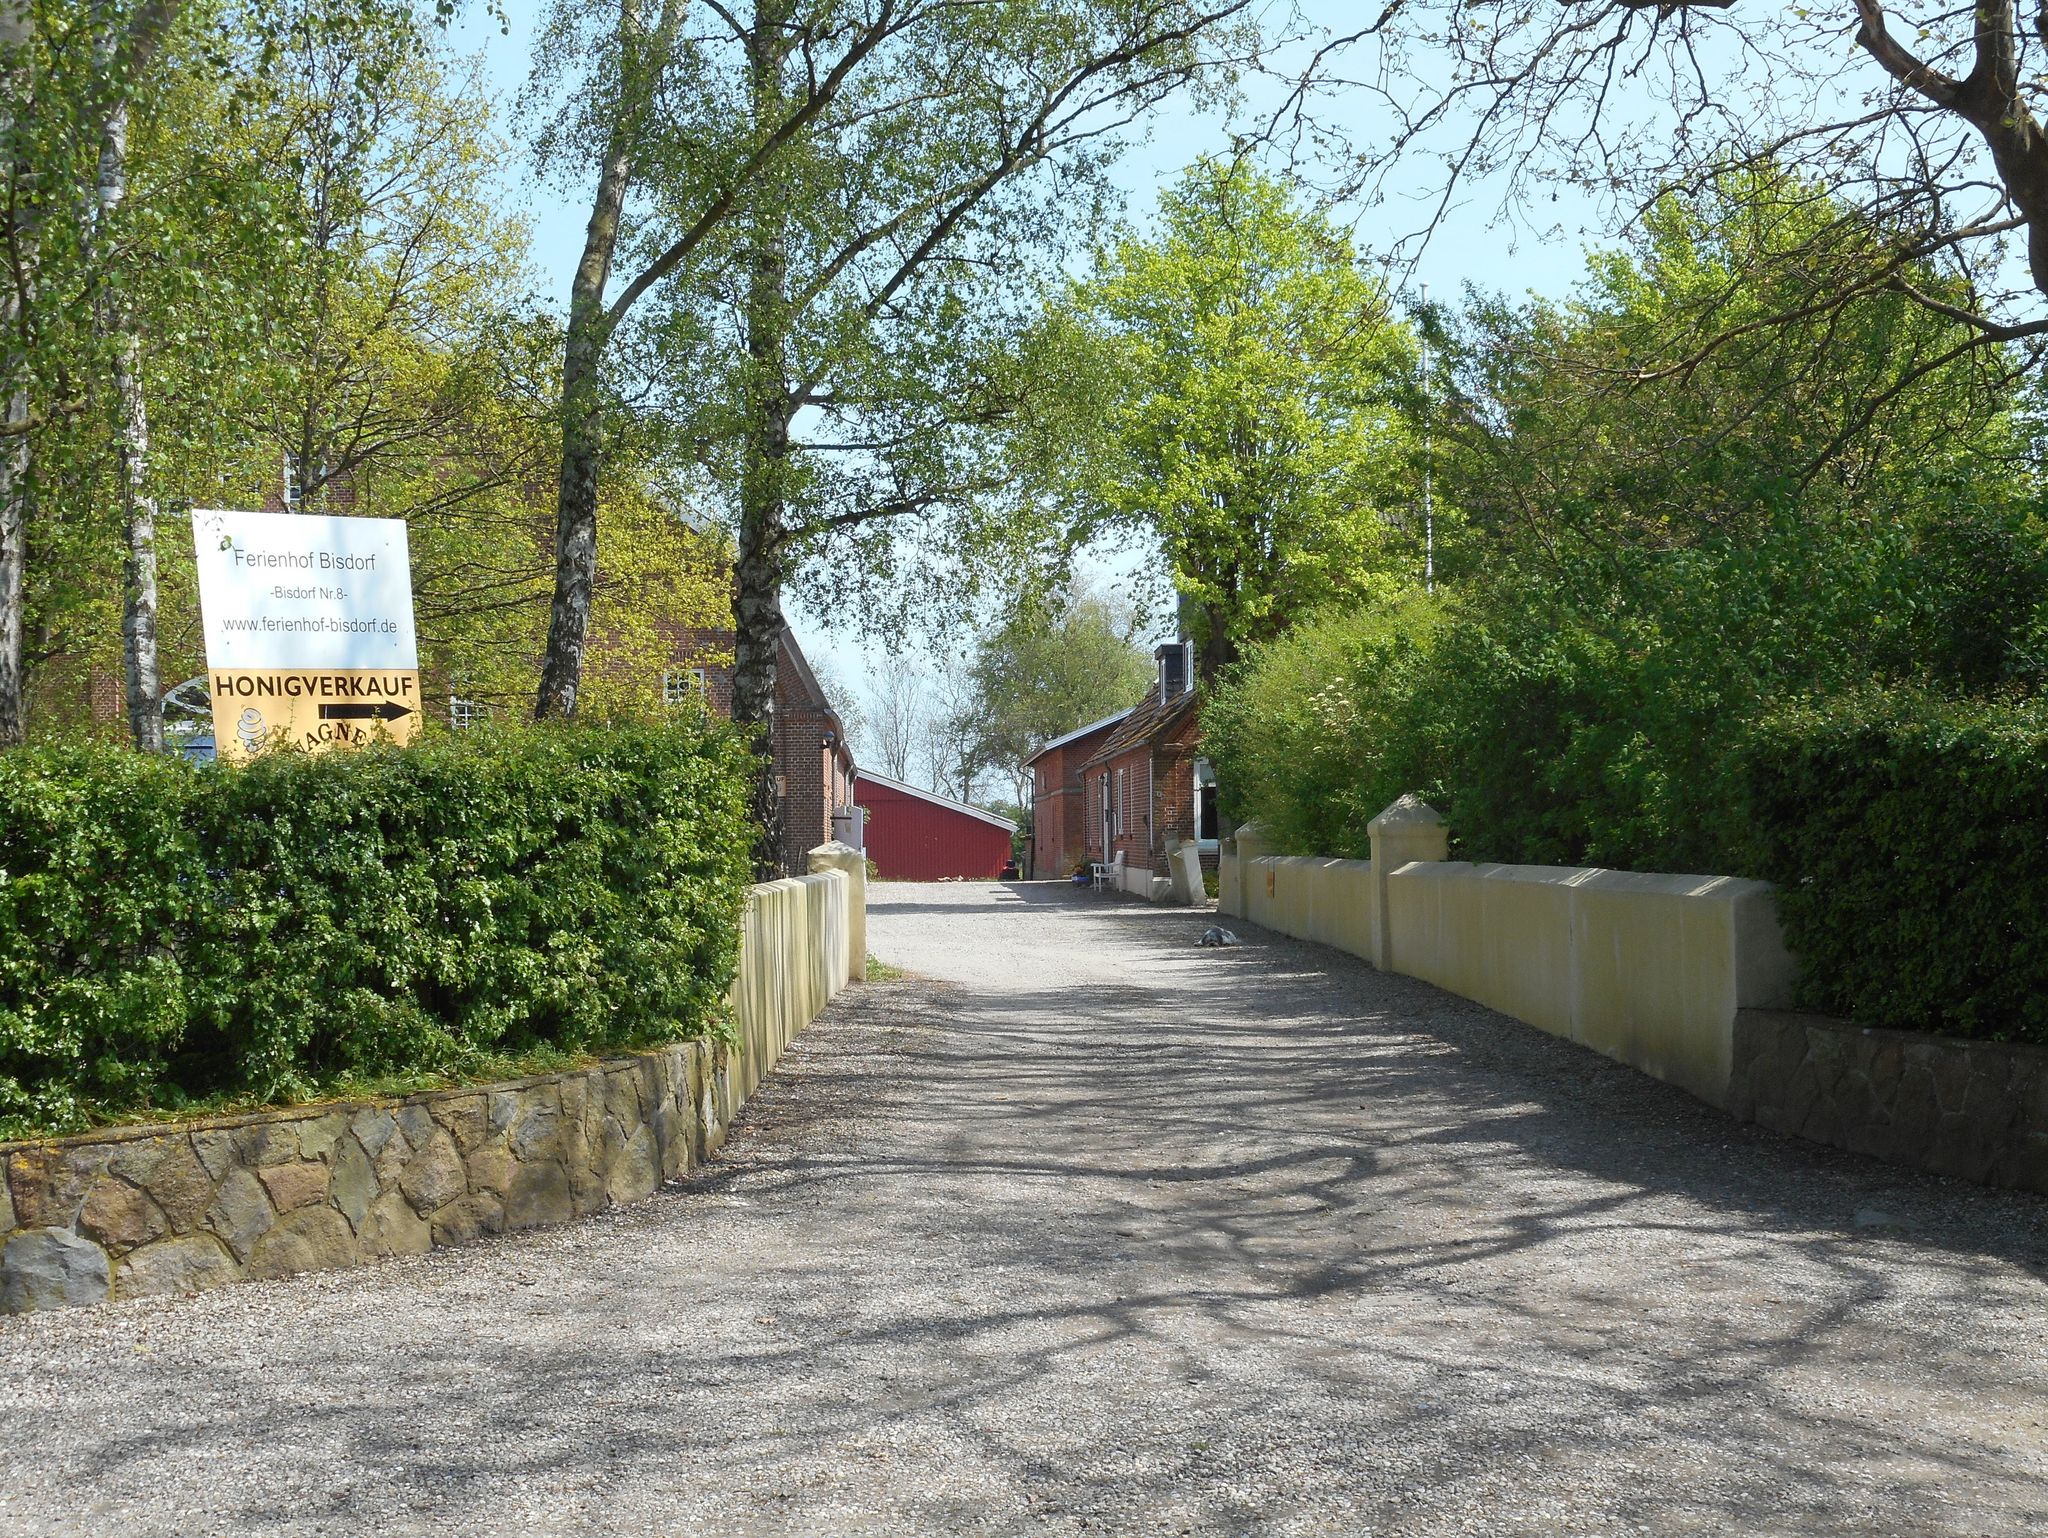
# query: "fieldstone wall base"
1974,1109
143,1210
173,1209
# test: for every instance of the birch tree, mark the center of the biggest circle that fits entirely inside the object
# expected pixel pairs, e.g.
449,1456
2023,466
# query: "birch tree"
126,47
16,81
841,200
847,341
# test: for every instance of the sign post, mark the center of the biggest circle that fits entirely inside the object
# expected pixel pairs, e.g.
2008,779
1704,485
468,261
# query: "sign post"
309,633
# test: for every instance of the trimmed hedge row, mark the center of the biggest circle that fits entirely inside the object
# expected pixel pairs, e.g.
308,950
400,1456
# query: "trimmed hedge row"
172,934
1910,840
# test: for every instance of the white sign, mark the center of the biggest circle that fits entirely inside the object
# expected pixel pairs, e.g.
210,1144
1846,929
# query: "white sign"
309,634
299,590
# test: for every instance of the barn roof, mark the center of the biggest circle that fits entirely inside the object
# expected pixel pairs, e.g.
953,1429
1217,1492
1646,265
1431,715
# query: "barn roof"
864,776
1077,733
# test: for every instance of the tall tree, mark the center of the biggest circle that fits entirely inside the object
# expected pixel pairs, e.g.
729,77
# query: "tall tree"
1047,667
878,298
660,191
16,79
126,45
853,194
1250,381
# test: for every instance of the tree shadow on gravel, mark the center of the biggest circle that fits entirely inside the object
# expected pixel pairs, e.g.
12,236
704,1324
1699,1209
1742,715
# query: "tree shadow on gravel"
1250,1241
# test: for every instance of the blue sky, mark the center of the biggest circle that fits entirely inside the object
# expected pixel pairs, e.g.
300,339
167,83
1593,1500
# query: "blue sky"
1473,245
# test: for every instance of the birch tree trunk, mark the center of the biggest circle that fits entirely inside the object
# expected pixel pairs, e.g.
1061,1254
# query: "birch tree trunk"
645,58
118,331
561,675
15,38
758,573
123,56
14,466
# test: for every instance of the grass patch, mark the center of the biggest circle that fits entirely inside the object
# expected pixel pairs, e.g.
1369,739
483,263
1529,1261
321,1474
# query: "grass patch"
882,972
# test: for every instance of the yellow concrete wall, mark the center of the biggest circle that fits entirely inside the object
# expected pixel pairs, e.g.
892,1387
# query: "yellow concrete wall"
1328,901
1648,969
1662,967
1500,934
796,941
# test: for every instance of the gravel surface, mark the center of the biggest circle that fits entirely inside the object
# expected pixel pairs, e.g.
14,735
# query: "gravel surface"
1083,1229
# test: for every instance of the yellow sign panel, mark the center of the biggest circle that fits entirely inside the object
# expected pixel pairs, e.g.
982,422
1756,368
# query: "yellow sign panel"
309,632
259,708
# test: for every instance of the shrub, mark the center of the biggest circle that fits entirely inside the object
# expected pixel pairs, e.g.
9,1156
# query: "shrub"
1313,733
173,935
1910,839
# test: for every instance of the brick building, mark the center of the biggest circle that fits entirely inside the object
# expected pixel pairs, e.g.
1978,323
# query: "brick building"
1059,799
814,769
1147,785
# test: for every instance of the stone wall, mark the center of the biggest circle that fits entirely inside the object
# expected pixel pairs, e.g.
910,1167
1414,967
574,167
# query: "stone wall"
1974,1109
177,1208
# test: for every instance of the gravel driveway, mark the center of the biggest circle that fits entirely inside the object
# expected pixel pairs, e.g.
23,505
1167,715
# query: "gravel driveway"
1082,1229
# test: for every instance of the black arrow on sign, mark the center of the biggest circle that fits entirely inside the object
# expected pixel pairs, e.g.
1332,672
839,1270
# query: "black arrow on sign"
384,712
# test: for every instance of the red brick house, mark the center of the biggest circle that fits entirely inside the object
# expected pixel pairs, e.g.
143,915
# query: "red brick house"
919,835
1059,799
1147,785
814,769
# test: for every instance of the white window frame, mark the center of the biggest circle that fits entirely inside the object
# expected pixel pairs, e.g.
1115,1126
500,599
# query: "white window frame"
678,685
463,714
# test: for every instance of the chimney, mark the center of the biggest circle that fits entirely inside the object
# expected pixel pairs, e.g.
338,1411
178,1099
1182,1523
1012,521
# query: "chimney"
1173,671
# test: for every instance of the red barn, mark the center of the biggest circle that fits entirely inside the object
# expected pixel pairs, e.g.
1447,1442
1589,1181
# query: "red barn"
917,835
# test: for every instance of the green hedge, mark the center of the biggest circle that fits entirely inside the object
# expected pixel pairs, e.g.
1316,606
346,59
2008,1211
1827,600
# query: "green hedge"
1910,840
1318,730
174,935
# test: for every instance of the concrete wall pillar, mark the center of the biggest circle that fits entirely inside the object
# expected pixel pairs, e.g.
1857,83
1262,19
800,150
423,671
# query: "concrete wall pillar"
838,856
1407,831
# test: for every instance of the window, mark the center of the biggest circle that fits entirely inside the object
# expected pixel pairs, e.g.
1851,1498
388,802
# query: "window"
1121,786
295,482
679,686
463,713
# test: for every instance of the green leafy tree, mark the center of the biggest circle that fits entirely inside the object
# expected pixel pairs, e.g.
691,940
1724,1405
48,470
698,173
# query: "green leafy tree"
1251,382
1047,667
1657,566
842,207
328,305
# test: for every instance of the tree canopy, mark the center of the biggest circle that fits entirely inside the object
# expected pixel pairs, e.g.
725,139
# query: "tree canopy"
1246,383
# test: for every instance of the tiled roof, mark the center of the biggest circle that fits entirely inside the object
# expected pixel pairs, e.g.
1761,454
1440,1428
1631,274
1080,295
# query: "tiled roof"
1148,721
